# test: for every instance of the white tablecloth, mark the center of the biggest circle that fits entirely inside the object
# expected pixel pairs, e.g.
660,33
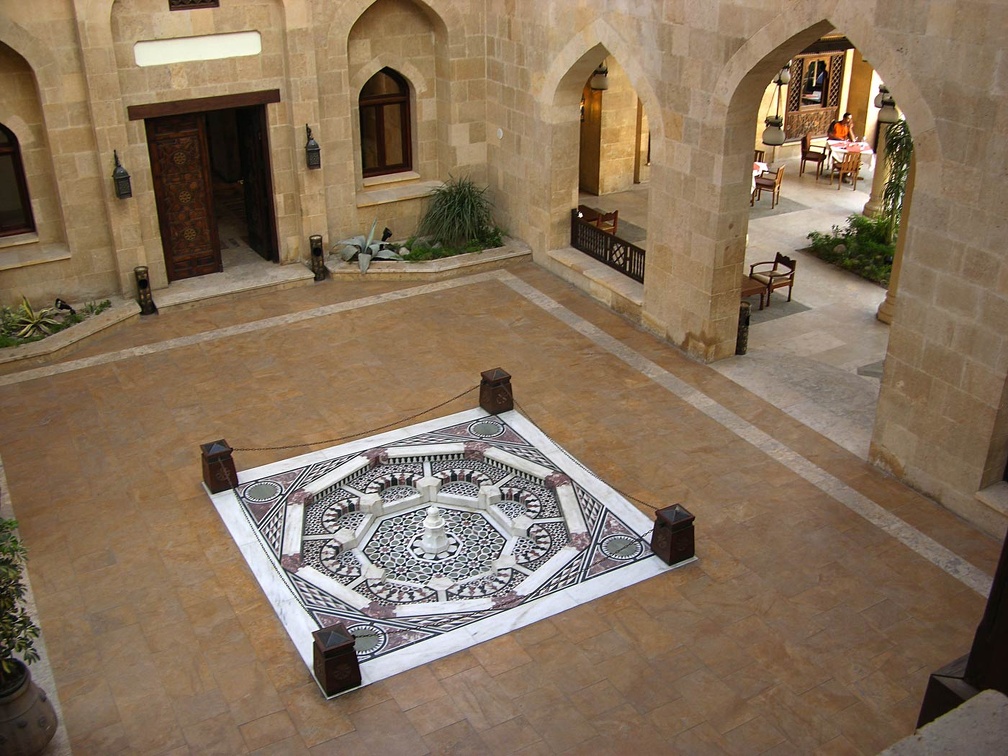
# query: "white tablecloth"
838,148
757,169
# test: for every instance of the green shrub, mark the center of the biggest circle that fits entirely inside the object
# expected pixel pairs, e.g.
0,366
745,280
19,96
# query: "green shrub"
862,248
459,214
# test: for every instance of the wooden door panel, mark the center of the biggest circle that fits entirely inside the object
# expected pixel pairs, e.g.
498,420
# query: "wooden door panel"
253,146
183,192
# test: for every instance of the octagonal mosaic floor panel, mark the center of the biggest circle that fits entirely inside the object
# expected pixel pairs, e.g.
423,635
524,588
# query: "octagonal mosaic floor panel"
524,531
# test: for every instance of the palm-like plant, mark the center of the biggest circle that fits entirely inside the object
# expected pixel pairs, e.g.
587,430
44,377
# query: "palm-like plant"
899,152
365,248
17,631
32,322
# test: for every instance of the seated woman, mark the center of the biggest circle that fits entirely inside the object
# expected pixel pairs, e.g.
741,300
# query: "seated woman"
843,129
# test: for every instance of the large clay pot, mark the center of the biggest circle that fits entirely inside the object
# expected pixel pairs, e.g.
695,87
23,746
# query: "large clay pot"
27,719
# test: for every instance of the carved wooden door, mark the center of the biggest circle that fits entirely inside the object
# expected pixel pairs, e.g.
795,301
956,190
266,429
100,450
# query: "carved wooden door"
181,171
252,144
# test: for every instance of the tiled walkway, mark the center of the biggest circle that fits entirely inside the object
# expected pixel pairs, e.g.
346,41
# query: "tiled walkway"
802,627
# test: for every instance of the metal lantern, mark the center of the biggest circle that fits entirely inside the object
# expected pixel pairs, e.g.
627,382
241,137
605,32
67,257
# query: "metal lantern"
121,179
773,134
600,79
887,113
313,153
785,74
882,91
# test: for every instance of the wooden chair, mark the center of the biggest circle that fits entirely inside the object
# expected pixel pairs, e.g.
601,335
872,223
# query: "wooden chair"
759,156
850,166
779,274
608,222
768,181
810,154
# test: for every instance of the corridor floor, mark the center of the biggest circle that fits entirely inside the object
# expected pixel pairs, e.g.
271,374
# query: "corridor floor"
823,595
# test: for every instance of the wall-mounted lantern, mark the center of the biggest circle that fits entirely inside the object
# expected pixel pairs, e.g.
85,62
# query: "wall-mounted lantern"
121,179
313,153
887,105
600,79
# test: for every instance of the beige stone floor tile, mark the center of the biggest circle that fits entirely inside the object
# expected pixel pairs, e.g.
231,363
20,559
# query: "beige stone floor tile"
798,719
315,719
500,655
458,738
753,737
386,729
414,687
557,722
481,699
433,715
512,736
268,730
801,623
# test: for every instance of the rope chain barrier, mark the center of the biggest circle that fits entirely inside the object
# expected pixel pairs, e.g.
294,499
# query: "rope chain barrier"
350,436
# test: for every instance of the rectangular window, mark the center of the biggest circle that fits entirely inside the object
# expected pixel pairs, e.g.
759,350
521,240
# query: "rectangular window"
179,5
392,115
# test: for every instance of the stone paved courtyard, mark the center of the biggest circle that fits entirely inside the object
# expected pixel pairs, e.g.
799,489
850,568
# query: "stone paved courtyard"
823,594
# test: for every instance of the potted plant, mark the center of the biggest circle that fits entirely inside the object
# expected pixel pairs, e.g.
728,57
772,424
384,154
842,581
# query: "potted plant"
27,718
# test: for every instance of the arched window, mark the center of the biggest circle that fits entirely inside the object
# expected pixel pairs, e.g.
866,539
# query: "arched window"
385,124
15,208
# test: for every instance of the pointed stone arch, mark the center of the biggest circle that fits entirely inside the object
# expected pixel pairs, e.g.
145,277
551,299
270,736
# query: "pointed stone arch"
557,97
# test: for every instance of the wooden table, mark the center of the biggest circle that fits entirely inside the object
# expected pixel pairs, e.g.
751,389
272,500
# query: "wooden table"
751,287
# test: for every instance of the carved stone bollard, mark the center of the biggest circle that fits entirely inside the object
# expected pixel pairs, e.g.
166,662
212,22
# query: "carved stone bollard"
495,391
672,538
335,661
218,467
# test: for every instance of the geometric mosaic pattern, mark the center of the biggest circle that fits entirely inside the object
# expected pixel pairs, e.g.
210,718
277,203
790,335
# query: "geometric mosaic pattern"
525,525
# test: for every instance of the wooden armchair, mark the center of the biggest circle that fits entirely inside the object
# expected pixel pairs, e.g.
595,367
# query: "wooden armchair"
768,181
608,222
779,274
810,154
759,156
850,166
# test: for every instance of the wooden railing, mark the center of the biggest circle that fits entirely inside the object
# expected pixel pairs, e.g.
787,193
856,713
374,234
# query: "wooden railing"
607,248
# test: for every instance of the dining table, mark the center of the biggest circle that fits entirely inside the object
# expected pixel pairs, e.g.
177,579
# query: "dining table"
757,168
838,148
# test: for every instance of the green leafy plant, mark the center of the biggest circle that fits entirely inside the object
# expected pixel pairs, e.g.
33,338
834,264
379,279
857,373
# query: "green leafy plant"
899,152
31,321
94,308
862,247
364,249
17,631
13,322
460,214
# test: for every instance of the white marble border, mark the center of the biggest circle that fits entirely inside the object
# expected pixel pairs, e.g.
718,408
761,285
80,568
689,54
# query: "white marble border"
300,625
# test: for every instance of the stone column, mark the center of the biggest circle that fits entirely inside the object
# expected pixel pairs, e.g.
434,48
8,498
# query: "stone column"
888,305
874,203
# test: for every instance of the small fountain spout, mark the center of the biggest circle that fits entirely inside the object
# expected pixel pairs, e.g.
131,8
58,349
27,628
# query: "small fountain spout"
434,538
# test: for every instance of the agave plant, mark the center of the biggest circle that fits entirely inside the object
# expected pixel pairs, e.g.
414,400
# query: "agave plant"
366,248
32,322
